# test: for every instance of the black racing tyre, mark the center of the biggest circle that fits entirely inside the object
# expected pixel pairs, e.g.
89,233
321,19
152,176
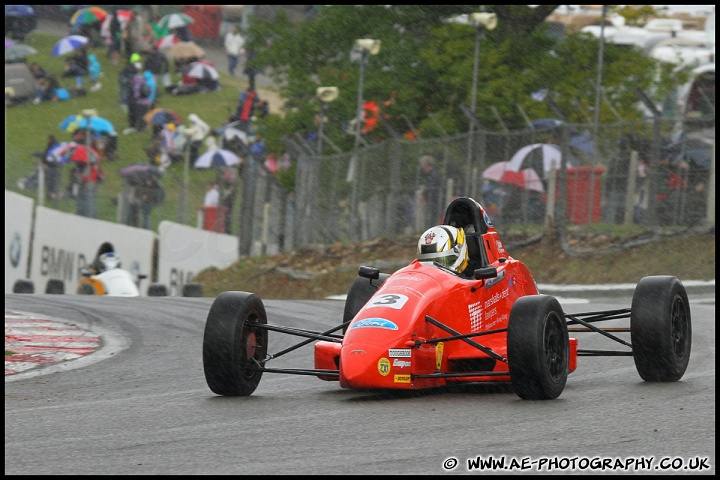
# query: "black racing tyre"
360,292
538,347
660,328
192,289
157,290
55,286
233,347
86,289
23,285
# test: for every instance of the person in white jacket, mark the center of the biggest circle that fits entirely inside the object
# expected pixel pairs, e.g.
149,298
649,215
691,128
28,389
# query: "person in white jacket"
196,131
234,47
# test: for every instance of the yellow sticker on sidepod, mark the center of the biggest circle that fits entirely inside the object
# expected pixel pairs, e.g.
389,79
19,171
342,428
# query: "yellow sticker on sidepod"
384,366
438,355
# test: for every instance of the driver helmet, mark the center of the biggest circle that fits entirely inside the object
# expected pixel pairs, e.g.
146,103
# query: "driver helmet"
445,245
109,260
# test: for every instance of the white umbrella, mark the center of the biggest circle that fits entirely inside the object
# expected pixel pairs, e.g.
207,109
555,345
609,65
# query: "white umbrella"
175,20
167,41
202,71
217,158
543,157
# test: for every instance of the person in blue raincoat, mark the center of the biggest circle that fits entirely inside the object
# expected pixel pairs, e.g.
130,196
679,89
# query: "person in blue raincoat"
94,71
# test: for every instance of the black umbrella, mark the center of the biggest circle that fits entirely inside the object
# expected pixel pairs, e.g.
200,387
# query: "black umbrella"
138,174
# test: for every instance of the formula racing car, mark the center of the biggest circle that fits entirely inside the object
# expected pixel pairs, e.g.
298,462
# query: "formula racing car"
463,311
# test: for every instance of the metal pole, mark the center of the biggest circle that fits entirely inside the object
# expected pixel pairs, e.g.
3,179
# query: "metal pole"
355,161
473,102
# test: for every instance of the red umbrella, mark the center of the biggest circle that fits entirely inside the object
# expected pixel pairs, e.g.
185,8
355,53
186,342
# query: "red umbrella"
76,152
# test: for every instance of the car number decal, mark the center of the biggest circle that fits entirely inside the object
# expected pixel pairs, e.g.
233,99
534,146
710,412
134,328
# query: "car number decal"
390,300
384,366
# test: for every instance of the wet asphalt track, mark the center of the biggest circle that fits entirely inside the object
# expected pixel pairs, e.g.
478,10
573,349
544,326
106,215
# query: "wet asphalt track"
141,406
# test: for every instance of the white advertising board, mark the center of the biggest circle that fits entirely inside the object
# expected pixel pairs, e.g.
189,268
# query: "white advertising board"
18,227
185,251
65,243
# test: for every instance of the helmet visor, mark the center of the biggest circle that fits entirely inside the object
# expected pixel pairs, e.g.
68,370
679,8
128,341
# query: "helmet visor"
446,259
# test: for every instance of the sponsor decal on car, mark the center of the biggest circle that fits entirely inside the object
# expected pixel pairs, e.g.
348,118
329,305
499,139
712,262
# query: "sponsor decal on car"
402,378
384,366
438,354
476,312
374,323
399,353
400,363
492,281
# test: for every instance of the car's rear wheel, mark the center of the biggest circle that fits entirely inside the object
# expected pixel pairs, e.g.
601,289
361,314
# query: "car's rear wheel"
538,347
660,328
234,348
90,286
360,292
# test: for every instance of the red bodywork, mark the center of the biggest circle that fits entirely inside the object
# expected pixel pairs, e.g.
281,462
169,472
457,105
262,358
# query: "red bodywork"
384,347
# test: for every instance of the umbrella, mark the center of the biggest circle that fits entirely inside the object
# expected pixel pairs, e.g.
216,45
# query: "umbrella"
185,50
175,20
138,174
59,153
167,41
231,132
543,157
97,124
217,158
19,11
161,116
88,15
18,52
76,152
68,44
202,71
526,178
8,42
123,17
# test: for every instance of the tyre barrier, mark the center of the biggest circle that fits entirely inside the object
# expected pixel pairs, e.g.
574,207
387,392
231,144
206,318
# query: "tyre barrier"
23,285
157,290
192,289
55,286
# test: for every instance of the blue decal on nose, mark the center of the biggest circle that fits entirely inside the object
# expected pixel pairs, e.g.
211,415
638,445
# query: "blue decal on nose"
374,323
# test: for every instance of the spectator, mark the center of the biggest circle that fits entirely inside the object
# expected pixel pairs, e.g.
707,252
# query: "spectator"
94,72
197,130
139,102
125,79
158,64
90,174
234,47
212,196
114,41
38,72
147,38
250,69
430,187
247,103
77,66
227,180
132,34
150,80
47,89
183,34
149,195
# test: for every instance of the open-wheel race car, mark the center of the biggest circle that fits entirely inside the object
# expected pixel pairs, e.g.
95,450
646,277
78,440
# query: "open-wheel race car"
463,311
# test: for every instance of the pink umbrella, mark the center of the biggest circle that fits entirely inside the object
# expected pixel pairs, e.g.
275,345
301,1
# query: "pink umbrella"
8,42
526,178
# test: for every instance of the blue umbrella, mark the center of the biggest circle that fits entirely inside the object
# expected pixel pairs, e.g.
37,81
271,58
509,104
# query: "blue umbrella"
19,11
68,44
60,152
97,124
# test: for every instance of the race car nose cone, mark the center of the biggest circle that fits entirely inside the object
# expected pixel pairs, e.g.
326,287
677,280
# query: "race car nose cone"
365,366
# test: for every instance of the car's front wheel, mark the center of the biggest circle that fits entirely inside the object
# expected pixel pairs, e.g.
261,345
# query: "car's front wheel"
538,347
234,348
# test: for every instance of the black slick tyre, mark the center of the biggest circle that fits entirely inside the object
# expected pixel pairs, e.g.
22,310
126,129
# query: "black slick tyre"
660,328
538,348
360,292
234,348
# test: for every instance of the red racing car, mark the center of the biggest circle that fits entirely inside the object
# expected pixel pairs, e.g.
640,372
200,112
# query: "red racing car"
464,311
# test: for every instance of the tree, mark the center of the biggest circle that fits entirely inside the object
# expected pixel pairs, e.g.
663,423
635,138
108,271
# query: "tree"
425,66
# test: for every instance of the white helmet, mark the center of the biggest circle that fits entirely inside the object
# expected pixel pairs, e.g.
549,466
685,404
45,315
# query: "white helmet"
445,245
109,260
